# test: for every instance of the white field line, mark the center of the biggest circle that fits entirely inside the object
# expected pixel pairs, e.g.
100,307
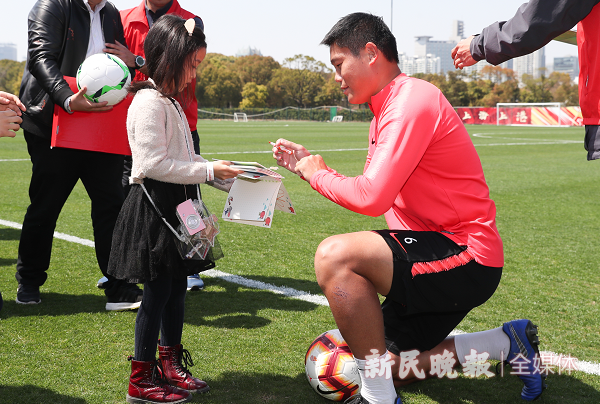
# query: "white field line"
481,135
583,366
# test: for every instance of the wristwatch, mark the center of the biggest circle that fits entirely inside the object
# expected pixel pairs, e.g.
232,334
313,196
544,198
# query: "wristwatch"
139,62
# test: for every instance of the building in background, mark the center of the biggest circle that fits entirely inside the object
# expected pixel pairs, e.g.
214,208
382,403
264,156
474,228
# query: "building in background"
8,51
567,64
458,31
248,51
424,46
416,64
533,64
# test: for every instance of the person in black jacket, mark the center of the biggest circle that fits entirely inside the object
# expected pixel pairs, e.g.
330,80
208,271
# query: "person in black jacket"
534,25
62,34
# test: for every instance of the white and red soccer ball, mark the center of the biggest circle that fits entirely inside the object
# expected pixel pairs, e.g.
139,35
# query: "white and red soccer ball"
330,367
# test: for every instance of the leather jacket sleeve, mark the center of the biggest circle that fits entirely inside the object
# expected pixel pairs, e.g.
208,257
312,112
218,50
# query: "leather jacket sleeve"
534,25
48,23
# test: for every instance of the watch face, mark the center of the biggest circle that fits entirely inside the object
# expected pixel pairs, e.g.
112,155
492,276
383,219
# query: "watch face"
139,61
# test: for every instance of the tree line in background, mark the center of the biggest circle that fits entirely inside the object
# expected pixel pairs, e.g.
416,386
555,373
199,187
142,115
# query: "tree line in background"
495,84
11,73
301,81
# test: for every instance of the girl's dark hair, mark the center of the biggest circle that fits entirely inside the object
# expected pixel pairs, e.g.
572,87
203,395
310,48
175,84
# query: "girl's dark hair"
355,30
169,49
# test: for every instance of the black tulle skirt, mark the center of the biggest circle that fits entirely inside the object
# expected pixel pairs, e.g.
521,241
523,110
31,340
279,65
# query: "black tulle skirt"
143,247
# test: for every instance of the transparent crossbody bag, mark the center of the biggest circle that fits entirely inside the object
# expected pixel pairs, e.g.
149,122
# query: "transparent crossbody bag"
196,245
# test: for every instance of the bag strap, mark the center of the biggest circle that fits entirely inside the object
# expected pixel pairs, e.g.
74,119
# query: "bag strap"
179,236
187,144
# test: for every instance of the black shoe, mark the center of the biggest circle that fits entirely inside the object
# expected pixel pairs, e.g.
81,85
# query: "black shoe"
1,301
358,399
28,294
127,297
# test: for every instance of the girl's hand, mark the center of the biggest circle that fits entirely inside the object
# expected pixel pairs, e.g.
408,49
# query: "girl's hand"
223,171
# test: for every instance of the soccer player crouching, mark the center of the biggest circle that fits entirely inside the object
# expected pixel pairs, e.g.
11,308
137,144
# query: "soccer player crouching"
441,257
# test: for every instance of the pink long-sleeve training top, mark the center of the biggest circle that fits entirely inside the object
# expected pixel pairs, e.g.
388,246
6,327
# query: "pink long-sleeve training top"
422,172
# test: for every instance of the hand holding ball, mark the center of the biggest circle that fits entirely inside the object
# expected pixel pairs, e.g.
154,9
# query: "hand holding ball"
106,78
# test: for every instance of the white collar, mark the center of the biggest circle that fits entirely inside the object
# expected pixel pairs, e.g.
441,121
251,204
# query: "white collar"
99,6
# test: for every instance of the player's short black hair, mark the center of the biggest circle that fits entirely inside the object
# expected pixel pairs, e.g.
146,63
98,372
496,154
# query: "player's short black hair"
169,49
355,30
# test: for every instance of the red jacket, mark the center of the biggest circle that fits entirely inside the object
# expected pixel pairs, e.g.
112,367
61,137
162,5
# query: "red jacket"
135,26
589,66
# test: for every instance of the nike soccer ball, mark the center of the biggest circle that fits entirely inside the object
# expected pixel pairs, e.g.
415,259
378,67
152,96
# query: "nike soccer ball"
330,367
106,78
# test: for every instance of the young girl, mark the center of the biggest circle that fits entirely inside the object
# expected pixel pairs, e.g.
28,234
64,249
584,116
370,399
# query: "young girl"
144,249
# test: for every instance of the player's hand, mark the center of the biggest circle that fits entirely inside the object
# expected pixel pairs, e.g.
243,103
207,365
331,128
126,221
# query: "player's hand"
287,160
223,171
462,54
120,51
12,102
9,123
309,165
82,104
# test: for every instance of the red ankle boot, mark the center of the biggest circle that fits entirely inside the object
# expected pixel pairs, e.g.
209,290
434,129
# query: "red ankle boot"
146,386
177,373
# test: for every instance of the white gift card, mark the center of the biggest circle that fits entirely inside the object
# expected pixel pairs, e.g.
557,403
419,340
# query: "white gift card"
252,201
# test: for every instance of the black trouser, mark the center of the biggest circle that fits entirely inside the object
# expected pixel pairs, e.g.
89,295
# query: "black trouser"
55,172
592,141
162,310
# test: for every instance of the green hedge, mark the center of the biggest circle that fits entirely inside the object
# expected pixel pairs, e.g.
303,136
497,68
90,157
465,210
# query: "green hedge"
289,113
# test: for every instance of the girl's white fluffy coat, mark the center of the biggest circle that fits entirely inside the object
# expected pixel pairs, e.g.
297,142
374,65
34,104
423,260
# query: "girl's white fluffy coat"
157,137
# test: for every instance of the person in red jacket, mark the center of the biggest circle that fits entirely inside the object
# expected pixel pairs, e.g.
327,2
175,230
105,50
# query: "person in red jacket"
534,25
137,22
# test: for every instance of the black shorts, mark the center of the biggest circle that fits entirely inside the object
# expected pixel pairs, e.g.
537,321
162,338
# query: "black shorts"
422,308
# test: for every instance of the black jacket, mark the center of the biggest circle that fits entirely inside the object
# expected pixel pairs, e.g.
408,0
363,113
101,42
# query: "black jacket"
59,32
534,25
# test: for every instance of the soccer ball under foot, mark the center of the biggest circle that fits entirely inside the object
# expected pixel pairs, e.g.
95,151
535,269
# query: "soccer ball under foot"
330,367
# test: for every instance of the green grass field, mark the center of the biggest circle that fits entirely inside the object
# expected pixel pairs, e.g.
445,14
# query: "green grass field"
249,344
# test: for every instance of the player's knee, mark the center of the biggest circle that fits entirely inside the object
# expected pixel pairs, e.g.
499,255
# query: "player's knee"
330,259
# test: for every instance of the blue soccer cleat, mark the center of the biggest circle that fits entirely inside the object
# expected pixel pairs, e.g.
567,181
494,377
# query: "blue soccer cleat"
524,341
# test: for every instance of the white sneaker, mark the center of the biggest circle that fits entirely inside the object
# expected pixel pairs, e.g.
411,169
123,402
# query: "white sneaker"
194,282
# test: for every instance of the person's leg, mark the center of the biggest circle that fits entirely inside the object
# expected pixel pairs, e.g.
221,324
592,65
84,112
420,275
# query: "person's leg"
174,358
592,141
54,174
143,386
127,162
148,321
172,317
102,181
351,270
